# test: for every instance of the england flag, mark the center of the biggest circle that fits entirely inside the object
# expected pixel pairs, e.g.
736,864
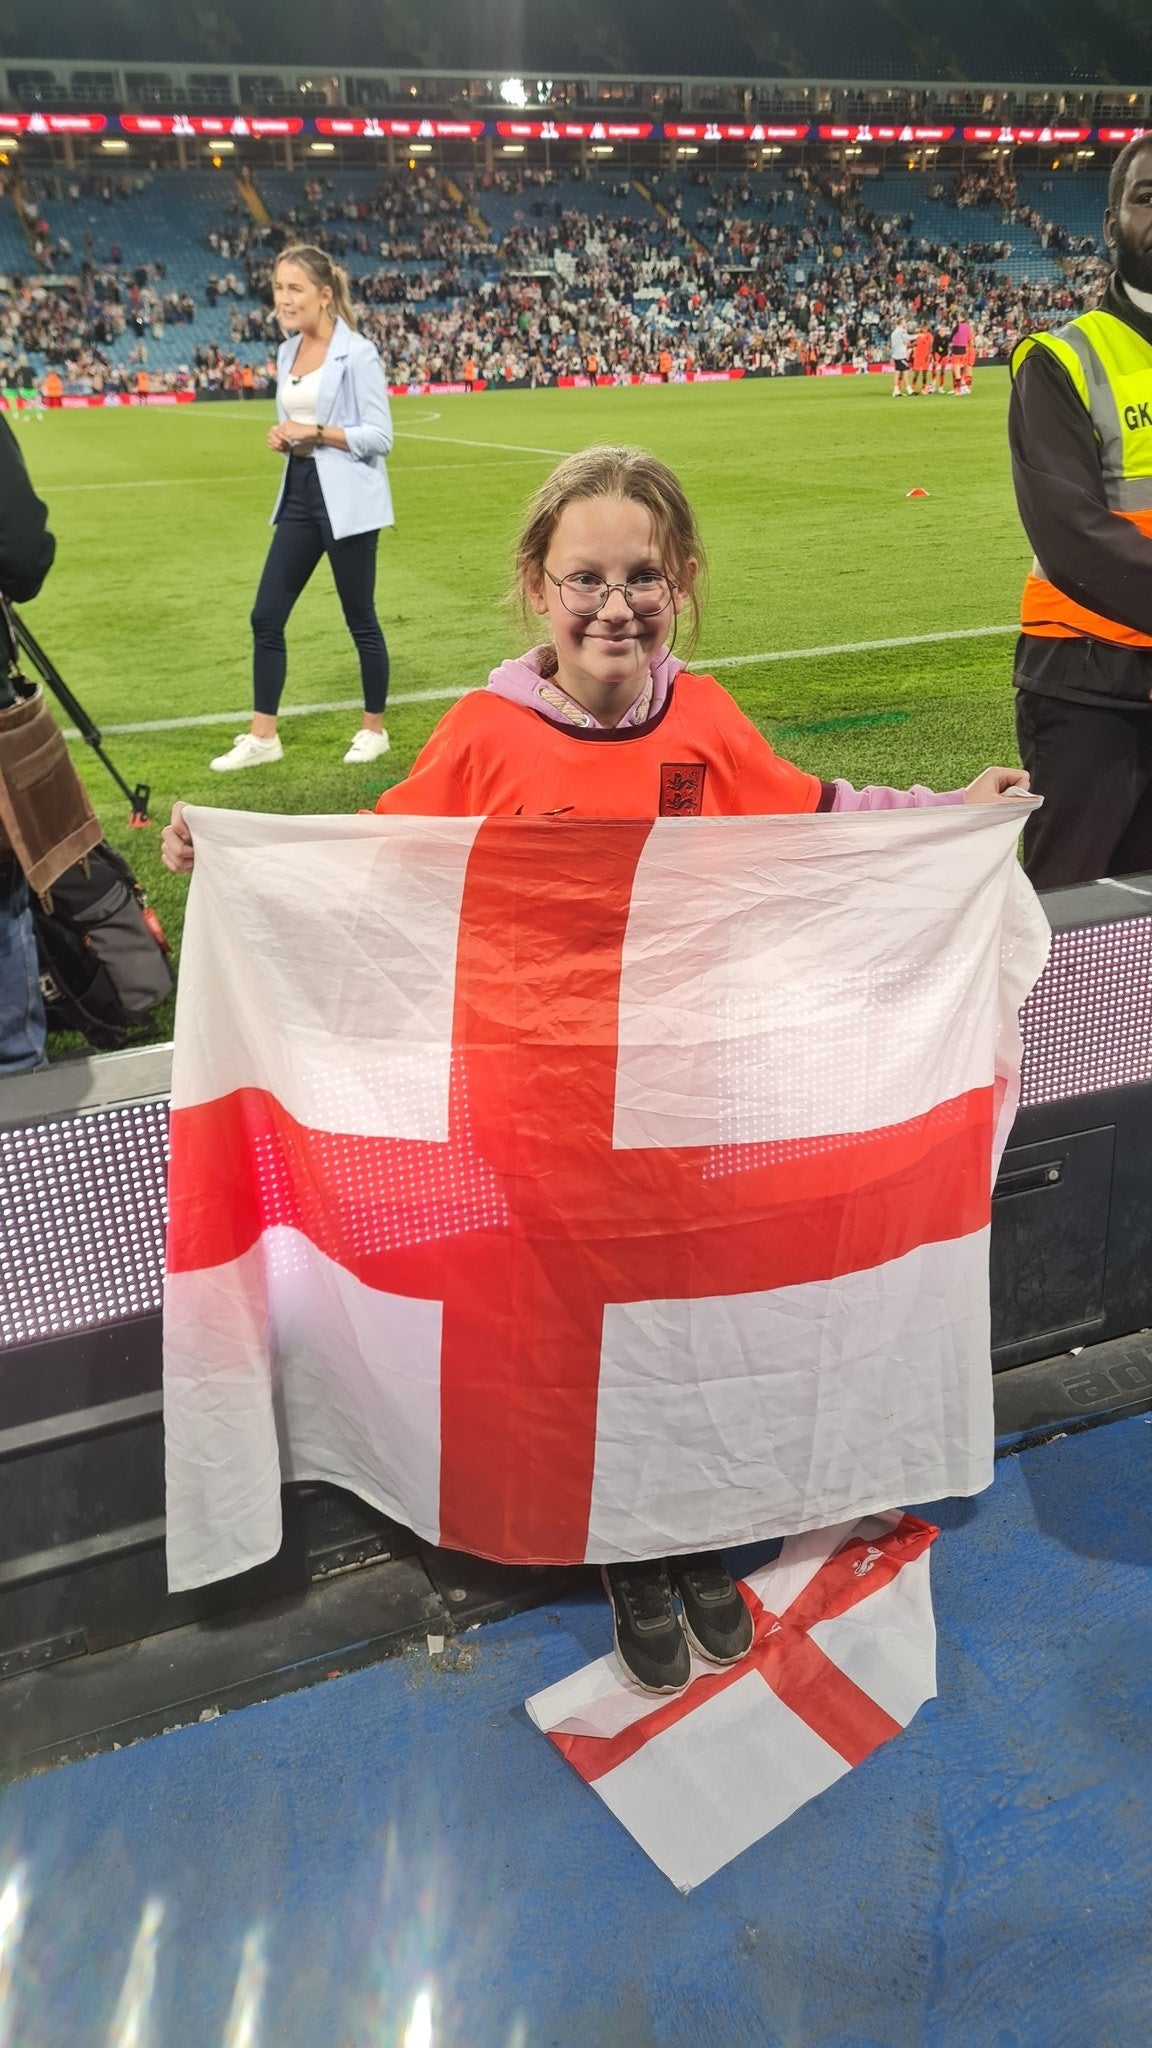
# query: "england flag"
586,1191
843,1655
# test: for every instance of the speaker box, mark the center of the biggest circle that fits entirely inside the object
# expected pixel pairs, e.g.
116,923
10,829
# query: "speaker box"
1072,1209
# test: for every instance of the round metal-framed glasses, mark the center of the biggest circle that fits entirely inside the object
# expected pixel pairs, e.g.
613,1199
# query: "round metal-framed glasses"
645,594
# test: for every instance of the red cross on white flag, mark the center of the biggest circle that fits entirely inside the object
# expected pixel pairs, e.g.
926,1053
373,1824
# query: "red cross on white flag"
843,1655
586,1190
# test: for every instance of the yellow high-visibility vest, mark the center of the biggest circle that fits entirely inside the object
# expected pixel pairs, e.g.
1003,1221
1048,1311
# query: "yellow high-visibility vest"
1109,367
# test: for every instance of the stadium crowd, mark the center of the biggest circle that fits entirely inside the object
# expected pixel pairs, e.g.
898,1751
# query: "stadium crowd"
73,324
1000,189
408,217
785,279
784,275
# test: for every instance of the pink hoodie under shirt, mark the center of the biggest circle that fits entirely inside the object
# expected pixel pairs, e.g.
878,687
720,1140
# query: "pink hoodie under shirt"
521,682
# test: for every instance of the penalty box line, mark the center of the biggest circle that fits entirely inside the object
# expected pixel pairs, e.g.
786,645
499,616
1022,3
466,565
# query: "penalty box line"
443,696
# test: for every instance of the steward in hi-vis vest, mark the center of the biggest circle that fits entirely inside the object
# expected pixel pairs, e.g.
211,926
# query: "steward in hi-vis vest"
1110,368
1080,430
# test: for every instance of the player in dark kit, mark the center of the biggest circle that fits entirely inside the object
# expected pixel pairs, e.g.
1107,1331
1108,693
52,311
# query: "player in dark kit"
941,352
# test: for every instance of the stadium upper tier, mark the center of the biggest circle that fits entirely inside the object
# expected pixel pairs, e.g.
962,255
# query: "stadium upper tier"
858,62
530,275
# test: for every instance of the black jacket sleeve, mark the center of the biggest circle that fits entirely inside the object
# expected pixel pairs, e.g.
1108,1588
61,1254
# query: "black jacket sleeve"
26,546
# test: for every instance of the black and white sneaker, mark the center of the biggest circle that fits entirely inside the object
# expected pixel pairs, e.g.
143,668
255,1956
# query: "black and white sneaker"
716,1620
649,1639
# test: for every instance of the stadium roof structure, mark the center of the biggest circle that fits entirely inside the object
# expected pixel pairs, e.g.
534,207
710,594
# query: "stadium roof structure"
1015,41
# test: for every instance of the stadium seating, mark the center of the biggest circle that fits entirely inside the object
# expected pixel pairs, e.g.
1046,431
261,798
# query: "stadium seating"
283,192
505,210
895,195
168,216
723,193
14,252
1076,203
936,220
459,242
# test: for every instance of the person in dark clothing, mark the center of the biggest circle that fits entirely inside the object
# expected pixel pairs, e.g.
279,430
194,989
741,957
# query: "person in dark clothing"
27,550
1080,433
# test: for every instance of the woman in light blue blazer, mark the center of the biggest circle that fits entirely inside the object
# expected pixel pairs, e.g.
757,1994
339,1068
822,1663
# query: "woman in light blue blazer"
334,428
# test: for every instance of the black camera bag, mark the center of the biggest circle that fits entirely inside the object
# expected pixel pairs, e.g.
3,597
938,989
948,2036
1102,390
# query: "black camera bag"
102,951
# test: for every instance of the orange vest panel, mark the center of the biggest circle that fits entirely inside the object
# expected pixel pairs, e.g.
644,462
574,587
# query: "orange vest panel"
1047,614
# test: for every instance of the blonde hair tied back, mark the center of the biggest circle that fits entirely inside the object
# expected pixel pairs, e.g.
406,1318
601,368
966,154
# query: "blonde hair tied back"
608,472
318,265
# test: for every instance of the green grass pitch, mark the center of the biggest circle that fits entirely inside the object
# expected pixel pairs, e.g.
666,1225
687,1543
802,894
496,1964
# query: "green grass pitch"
800,487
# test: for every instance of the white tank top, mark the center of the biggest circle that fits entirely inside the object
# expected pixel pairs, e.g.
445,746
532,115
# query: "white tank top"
299,396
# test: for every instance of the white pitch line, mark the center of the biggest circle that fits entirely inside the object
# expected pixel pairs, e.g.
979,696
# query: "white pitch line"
249,476
441,696
438,468
160,483
231,415
285,711
459,441
858,646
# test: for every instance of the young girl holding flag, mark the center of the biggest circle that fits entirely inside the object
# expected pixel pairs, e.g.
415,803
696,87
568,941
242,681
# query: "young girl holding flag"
604,721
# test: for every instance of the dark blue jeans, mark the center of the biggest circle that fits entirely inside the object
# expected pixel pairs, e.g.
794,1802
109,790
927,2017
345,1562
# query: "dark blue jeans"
303,534
22,1028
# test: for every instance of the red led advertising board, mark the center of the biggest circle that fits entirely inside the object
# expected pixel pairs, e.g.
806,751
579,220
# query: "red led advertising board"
53,124
574,131
211,124
379,127
871,131
735,131
1053,134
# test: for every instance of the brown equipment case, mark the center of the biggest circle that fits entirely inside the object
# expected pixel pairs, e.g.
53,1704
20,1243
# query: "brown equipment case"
46,819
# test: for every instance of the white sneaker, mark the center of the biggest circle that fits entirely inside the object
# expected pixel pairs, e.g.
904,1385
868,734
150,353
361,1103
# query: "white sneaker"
367,746
247,751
